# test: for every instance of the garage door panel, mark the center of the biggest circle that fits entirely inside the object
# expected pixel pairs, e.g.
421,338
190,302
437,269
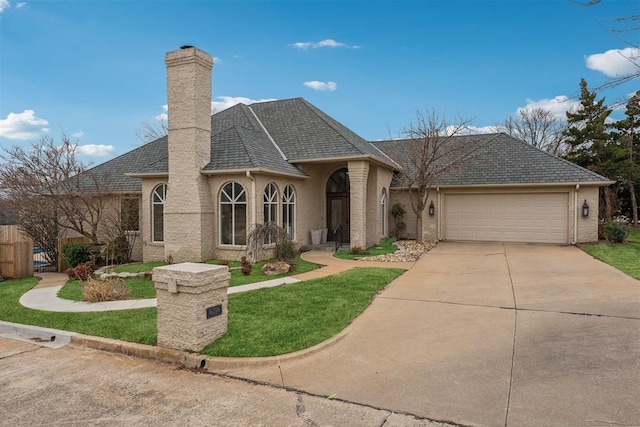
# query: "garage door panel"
532,217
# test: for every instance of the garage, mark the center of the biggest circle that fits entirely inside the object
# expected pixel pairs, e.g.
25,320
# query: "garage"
507,217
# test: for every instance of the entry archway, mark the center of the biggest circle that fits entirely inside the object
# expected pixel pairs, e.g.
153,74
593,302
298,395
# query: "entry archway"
338,206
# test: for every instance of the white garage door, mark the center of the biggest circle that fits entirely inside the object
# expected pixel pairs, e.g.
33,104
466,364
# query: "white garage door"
533,217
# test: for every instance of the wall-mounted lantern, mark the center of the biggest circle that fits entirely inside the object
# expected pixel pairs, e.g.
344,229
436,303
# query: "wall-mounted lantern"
585,209
432,209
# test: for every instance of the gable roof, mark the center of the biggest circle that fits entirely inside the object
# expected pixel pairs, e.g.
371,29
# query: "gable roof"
112,174
499,159
270,136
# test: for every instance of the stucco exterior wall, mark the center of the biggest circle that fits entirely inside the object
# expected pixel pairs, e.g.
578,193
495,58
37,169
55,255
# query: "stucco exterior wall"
379,179
587,227
402,197
151,251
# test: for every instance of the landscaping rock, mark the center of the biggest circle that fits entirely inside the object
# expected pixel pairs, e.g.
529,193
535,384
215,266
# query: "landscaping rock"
408,251
275,268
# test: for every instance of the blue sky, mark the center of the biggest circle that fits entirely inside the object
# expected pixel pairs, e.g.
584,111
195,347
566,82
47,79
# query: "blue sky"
95,69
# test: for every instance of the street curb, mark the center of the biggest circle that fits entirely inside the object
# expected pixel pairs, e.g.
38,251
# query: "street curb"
195,360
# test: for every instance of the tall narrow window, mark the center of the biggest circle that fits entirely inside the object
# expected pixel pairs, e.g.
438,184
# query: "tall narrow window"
289,211
383,213
233,215
158,199
270,201
270,204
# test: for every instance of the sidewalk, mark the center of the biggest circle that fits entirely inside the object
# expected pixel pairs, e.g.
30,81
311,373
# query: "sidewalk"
44,296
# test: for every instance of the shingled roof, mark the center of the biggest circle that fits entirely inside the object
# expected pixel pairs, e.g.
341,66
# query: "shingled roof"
274,136
499,159
269,136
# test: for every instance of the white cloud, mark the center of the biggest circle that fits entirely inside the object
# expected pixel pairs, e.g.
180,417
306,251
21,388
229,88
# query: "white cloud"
325,86
96,150
23,125
4,4
558,106
322,43
77,135
221,103
163,116
216,60
21,5
615,62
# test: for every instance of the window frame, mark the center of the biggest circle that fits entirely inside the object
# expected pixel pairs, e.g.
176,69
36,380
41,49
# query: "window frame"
162,200
233,200
289,201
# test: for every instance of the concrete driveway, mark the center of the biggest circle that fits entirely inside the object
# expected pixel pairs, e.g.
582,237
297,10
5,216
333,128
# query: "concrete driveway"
489,334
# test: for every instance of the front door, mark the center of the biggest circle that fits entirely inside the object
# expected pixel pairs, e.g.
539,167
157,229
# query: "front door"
338,214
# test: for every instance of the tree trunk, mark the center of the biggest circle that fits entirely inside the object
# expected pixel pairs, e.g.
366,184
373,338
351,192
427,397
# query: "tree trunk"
634,201
607,204
419,227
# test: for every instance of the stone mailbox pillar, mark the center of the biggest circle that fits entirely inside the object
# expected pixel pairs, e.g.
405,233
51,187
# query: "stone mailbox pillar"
192,304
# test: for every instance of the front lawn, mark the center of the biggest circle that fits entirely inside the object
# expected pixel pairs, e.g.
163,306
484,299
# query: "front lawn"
292,317
127,325
140,288
386,247
624,257
261,323
237,278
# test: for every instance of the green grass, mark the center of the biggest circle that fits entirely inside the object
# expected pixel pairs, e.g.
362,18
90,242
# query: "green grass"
127,325
261,323
141,288
292,317
237,278
383,248
624,257
145,267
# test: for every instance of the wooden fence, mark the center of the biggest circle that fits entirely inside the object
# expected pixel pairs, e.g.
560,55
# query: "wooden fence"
11,233
16,259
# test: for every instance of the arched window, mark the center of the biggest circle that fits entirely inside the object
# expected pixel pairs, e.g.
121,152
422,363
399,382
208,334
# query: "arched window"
233,214
383,213
158,199
270,202
289,211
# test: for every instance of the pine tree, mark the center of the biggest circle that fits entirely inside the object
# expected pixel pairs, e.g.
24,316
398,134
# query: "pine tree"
628,141
587,133
589,141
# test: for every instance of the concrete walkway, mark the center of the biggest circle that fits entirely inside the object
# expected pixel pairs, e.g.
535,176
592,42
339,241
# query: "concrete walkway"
44,296
488,334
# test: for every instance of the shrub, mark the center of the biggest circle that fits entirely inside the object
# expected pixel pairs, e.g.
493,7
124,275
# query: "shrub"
76,253
118,250
246,266
81,271
616,232
285,250
111,289
358,250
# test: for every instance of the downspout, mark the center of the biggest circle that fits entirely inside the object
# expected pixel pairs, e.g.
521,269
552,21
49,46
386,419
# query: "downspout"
439,218
254,204
576,215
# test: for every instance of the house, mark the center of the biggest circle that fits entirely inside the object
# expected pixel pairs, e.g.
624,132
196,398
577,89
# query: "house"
199,190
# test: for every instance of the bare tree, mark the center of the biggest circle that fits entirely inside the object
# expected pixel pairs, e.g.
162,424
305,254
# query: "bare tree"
621,27
539,128
429,149
152,130
51,189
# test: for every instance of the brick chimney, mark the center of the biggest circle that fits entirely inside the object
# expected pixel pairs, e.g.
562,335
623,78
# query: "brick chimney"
189,207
